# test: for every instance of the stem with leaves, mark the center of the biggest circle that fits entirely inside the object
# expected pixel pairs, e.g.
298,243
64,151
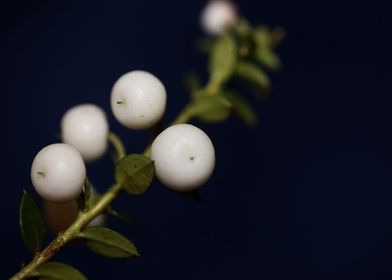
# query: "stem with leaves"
72,232
240,53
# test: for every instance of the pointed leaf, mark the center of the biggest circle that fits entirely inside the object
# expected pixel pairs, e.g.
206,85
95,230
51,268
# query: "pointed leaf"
243,28
109,243
135,173
32,223
254,75
242,108
268,58
263,37
59,271
214,108
223,59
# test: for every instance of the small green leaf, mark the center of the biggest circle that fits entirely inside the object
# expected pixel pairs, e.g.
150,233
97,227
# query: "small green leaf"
59,271
32,223
222,59
108,243
214,108
243,28
242,108
121,217
135,173
254,75
263,37
268,58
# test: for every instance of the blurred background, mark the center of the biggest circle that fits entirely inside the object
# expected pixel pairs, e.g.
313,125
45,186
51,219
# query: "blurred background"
305,195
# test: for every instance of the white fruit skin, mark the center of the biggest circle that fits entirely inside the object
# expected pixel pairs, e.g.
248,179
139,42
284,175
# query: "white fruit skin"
142,98
58,173
184,157
218,15
86,128
60,215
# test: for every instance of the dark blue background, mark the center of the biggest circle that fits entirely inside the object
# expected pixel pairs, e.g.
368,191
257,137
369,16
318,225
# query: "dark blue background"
306,195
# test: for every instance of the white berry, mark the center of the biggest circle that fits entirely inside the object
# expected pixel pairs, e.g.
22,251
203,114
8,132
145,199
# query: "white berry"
217,16
138,100
58,173
184,157
86,128
60,215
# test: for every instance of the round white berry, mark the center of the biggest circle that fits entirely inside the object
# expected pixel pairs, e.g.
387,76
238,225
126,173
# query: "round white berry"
217,16
58,173
184,157
60,215
86,128
138,100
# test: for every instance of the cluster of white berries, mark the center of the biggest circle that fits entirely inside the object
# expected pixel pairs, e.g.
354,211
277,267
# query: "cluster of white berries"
183,154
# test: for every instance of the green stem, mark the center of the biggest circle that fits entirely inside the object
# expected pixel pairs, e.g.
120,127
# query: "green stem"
118,145
72,232
185,116
85,217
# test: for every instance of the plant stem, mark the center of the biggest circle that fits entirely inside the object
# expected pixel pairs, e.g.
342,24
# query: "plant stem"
85,217
118,145
63,238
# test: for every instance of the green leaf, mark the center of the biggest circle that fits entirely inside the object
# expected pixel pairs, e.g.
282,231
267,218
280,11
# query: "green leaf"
121,217
135,173
222,59
268,58
243,28
32,223
242,108
254,75
108,243
263,37
213,108
59,271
